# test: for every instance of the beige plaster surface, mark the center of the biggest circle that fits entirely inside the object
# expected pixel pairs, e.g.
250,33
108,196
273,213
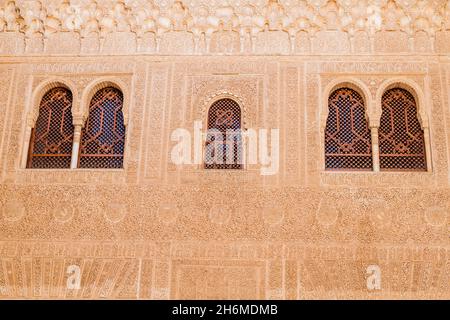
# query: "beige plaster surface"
155,230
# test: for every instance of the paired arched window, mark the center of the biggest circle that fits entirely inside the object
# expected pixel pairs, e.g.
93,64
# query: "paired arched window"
401,138
347,135
52,137
224,139
103,136
348,144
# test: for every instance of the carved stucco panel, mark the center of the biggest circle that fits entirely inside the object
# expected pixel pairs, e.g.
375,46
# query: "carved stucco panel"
120,210
189,27
446,107
117,221
438,127
18,121
156,105
176,117
391,42
135,127
6,84
12,43
244,88
290,128
312,92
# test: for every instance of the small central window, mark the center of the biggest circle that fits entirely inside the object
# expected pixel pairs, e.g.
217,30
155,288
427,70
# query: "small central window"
223,148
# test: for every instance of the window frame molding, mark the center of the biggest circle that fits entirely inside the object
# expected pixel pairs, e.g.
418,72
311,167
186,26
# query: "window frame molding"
100,83
208,103
80,112
32,106
423,105
361,88
219,95
88,93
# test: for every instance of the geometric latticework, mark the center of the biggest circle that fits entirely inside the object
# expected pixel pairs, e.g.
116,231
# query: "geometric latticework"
401,137
224,140
347,135
52,137
103,136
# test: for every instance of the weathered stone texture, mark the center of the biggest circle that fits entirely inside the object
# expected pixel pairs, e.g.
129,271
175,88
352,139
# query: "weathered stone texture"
155,230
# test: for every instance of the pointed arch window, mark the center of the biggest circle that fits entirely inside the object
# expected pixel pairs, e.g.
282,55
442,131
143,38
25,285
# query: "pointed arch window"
401,137
348,143
52,137
103,136
224,139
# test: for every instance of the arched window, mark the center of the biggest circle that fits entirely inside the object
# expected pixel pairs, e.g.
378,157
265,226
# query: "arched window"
103,136
52,137
401,138
224,140
347,135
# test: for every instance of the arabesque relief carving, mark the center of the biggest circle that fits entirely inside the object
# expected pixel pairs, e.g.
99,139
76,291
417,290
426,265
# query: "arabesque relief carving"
156,229
229,27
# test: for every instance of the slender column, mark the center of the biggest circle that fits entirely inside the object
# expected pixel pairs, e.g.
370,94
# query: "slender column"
426,134
372,42
292,40
26,147
375,149
411,44
75,146
242,38
428,104
311,43
352,43
197,38
45,43
208,42
158,43
253,40
139,43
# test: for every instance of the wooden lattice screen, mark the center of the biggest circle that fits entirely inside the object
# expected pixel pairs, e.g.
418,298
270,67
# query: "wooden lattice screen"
103,136
224,117
401,136
52,137
347,134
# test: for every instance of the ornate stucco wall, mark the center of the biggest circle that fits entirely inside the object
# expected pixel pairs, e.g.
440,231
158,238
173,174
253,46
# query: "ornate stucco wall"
155,230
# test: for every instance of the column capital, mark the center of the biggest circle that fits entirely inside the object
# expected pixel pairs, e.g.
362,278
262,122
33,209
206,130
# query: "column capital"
30,122
374,125
78,120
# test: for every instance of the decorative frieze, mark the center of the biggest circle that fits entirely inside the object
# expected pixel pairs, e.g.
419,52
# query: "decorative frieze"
252,26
